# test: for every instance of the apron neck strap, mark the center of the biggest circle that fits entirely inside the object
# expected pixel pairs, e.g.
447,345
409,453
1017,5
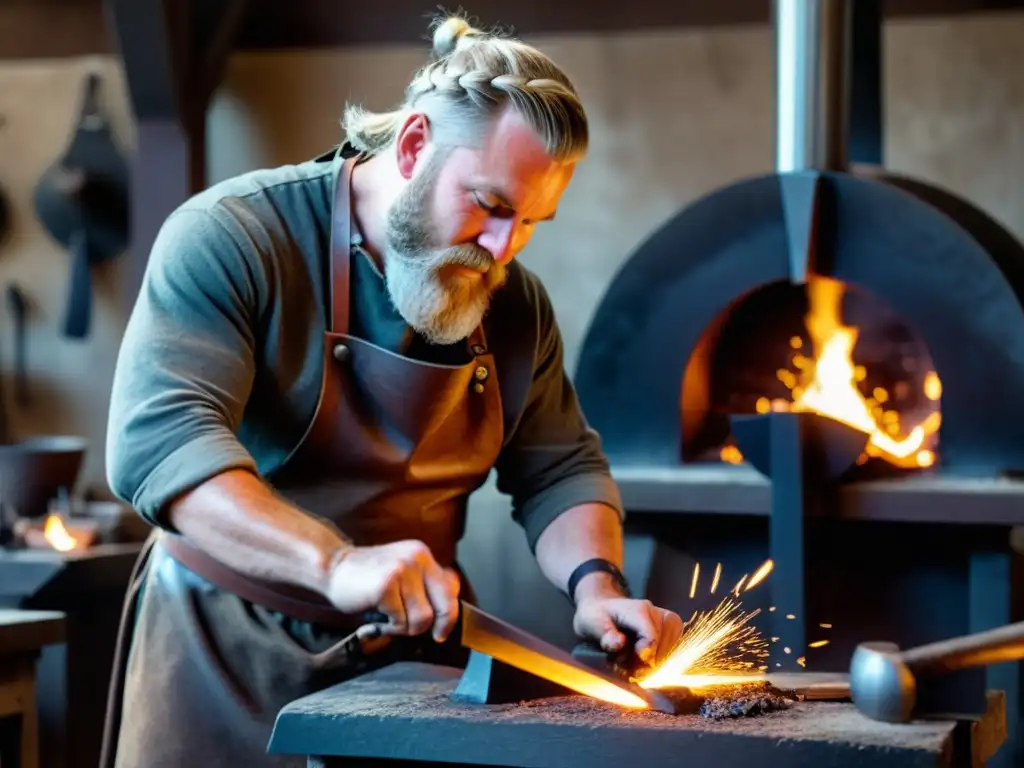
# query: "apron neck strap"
341,248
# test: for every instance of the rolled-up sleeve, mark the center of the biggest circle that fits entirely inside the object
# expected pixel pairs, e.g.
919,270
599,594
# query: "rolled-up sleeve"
553,460
185,367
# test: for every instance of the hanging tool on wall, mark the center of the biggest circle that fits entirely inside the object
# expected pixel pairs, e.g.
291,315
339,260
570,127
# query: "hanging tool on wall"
5,206
82,201
17,303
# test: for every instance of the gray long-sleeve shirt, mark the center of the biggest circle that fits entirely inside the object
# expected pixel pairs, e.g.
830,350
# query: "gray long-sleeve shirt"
221,362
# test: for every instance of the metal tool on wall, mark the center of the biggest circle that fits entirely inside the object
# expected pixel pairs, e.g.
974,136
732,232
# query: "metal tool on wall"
17,303
82,201
5,216
5,225
5,206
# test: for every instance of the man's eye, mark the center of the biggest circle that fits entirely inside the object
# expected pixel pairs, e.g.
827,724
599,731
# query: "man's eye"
487,205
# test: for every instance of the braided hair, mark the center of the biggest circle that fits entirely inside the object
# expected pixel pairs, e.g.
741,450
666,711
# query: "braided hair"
470,78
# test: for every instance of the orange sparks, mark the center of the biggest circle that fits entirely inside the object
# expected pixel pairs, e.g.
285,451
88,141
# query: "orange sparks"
825,626
739,585
760,574
719,646
818,644
712,651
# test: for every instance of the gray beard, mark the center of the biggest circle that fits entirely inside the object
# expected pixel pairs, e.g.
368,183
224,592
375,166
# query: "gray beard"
443,311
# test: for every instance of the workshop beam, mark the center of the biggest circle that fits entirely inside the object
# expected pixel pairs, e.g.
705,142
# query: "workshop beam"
173,54
325,23
58,28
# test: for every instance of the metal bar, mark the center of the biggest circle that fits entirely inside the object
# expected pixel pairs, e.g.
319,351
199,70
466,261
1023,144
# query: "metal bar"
786,542
812,49
866,98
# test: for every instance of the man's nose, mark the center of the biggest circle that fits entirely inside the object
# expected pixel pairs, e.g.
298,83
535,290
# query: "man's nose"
499,238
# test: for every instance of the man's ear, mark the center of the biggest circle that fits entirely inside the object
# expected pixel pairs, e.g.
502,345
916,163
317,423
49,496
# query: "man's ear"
410,141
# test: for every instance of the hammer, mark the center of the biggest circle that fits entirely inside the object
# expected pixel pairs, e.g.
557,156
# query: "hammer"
883,679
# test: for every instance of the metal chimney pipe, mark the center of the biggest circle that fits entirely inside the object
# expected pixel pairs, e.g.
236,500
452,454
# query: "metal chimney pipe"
812,48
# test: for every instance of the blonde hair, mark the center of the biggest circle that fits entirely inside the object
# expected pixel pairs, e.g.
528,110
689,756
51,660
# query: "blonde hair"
472,76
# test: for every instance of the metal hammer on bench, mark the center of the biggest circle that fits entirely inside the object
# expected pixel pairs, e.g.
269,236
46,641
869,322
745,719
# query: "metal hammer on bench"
883,679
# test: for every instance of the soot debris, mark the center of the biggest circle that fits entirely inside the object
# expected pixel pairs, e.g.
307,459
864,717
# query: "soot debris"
727,701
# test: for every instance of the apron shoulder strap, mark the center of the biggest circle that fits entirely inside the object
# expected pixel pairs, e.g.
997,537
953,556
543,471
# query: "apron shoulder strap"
341,246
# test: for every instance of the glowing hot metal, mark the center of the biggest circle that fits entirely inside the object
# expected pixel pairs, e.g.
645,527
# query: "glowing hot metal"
491,636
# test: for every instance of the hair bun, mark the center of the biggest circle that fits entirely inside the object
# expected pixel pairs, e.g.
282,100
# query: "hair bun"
447,34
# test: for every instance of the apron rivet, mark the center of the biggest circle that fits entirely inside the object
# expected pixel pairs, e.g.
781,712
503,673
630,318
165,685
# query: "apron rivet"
480,373
477,349
478,387
342,353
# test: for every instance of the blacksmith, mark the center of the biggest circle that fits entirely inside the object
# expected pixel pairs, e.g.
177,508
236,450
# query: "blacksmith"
324,361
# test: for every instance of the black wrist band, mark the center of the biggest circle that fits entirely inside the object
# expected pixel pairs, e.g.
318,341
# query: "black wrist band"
591,566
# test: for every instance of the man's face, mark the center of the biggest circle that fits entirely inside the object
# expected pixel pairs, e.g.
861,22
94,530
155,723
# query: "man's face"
462,217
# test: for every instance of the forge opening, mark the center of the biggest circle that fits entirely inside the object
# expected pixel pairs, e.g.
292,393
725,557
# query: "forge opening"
824,347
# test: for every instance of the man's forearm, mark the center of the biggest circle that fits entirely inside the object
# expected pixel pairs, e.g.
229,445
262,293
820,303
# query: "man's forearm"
577,535
236,518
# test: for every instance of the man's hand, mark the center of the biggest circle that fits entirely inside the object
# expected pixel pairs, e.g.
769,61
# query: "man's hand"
401,580
603,619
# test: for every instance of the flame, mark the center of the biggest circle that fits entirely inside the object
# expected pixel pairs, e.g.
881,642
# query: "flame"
57,535
831,384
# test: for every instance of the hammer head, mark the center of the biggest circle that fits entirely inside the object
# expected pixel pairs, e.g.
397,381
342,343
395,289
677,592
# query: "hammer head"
881,685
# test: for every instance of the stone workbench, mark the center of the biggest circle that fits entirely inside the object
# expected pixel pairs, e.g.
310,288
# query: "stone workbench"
403,713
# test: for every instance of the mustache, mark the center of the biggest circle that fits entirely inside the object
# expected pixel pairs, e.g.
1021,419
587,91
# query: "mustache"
471,256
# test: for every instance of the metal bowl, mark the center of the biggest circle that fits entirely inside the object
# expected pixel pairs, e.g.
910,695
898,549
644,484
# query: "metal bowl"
34,470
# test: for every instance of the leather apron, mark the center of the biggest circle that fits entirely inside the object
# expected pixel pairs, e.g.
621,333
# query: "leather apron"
393,451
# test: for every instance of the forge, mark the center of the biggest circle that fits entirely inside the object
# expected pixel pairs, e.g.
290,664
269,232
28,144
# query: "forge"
819,366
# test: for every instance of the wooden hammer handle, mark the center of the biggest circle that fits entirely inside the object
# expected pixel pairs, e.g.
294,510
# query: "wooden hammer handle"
992,646
832,691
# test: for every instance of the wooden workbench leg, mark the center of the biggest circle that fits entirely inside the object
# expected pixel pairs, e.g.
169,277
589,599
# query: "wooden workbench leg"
18,703
29,722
